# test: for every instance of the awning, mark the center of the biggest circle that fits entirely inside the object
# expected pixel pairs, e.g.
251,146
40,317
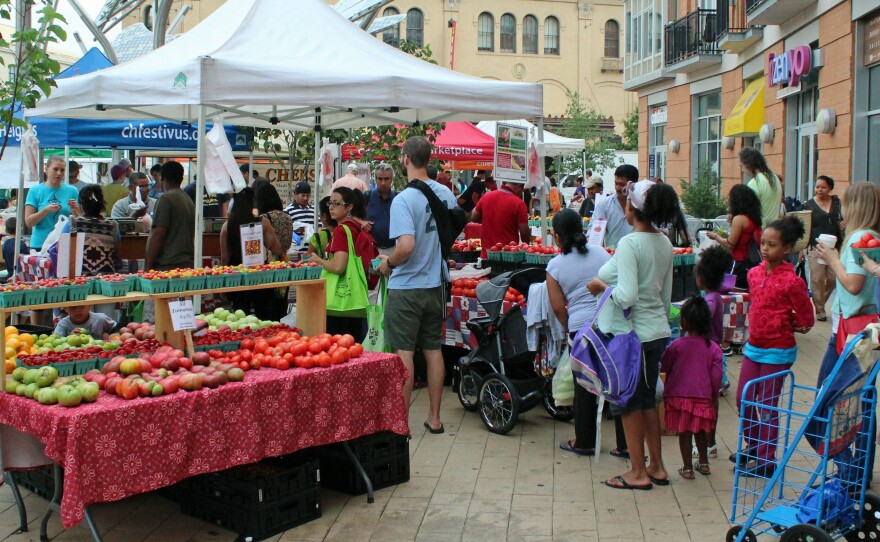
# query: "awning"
748,113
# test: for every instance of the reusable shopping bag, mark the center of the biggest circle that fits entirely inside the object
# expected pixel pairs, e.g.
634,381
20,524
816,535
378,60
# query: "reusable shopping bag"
347,293
375,341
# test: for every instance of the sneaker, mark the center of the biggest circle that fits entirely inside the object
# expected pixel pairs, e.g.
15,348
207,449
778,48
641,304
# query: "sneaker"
724,387
728,351
712,452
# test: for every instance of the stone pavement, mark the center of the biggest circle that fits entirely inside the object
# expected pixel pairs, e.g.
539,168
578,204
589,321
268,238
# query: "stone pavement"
468,484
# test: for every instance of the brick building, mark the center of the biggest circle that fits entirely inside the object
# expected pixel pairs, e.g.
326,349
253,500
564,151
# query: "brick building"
798,79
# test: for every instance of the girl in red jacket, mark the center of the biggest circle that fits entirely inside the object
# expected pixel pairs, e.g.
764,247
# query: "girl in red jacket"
780,306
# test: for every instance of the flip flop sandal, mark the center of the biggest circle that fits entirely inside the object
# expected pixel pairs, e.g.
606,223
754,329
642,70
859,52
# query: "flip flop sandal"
659,481
617,453
433,431
568,446
625,485
687,474
703,468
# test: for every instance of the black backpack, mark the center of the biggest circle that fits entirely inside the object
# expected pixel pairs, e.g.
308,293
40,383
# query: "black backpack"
450,222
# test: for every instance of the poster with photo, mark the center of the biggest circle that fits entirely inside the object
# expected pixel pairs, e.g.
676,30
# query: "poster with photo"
252,249
511,158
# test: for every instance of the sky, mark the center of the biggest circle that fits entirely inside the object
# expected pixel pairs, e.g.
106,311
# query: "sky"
92,7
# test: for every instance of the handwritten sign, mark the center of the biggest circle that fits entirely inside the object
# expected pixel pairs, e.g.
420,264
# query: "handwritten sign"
183,316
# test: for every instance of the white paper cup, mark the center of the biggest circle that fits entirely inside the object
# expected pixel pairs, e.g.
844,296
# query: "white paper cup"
827,240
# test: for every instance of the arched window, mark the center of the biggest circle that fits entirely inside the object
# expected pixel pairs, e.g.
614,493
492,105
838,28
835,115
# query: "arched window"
612,39
530,34
391,36
551,36
508,33
486,32
415,27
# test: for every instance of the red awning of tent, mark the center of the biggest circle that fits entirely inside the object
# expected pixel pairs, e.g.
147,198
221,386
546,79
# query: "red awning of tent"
458,141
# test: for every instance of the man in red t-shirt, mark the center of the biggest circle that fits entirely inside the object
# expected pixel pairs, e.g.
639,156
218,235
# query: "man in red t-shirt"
503,215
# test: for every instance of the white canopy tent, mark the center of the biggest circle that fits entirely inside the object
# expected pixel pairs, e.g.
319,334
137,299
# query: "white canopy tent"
290,65
554,145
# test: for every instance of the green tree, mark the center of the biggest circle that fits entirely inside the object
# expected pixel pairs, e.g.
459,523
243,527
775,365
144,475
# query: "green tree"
32,70
582,122
631,132
702,198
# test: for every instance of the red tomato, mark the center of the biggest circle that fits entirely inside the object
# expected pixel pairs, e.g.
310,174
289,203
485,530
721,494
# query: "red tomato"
325,344
287,357
345,342
337,357
324,359
356,350
247,344
349,337
244,366
315,347
299,348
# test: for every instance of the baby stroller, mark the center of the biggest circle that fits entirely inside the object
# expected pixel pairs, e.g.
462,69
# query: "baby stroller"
499,377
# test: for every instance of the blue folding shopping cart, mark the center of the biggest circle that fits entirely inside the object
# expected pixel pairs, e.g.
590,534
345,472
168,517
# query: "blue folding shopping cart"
817,491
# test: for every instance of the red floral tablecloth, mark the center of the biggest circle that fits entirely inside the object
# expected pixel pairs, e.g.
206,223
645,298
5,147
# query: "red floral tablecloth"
113,448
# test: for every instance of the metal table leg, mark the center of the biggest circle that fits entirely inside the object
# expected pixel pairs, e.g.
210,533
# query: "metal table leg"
55,504
361,471
19,502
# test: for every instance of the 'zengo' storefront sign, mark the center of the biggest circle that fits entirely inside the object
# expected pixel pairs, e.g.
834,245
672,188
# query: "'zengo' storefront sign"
788,68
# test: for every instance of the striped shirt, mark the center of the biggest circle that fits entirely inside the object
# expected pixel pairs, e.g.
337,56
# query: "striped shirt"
305,215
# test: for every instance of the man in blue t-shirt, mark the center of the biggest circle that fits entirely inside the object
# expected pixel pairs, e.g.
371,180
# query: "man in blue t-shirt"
415,308
379,208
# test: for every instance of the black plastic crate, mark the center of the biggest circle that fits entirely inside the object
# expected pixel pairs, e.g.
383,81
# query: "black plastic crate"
40,480
340,473
259,484
369,447
268,520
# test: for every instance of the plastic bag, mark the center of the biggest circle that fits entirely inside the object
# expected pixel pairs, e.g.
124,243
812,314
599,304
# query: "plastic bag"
375,340
563,383
54,235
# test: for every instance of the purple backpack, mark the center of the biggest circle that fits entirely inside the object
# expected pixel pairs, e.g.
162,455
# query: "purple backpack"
607,367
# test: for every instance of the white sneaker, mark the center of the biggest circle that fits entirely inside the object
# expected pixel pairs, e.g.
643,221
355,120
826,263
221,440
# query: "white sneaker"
712,452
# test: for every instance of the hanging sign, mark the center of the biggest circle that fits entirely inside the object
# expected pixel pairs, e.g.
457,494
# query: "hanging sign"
511,158
597,232
658,115
183,316
252,249
788,68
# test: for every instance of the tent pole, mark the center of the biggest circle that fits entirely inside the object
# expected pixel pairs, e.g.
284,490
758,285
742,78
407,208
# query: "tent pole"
584,164
200,200
317,199
251,165
19,213
67,158
544,189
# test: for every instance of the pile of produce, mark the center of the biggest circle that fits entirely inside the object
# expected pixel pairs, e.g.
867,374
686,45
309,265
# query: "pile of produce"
468,245
44,385
223,318
468,288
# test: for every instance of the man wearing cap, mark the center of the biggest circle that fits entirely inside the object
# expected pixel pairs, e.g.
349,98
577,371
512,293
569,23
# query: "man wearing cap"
593,186
612,209
123,208
116,190
379,208
73,175
300,210
351,180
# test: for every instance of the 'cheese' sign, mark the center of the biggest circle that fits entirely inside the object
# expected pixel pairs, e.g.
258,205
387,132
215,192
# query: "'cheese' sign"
788,68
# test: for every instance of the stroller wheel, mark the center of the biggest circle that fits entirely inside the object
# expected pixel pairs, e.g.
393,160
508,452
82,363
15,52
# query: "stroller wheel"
468,391
561,413
499,404
870,529
805,532
734,531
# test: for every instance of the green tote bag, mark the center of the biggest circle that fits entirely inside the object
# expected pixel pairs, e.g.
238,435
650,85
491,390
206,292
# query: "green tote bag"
347,293
375,340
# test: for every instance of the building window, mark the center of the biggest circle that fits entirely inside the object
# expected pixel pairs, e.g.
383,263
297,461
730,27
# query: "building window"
530,34
486,32
12,71
391,36
612,39
508,33
415,27
708,126
874,124
551,36
643,44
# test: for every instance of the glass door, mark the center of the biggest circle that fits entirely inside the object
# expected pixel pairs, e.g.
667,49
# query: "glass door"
808,160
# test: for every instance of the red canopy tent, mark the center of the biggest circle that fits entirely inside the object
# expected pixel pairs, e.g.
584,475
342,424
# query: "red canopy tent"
459,141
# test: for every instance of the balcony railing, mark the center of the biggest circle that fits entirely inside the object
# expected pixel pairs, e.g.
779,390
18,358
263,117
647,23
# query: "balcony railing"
692,35
753,5
732,16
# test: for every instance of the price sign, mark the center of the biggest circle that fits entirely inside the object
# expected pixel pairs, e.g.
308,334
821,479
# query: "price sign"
597,232
183,316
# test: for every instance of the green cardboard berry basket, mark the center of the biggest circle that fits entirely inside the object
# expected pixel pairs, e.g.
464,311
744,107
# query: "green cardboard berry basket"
215,281
64,368
195,283
36,296
232,280
114,289
154,286
57,294
82,366
13,298
873,253
78,292
178,285
512,256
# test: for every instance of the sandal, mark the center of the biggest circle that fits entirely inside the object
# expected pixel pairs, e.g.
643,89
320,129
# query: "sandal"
687,474
703,468
568,446
618,453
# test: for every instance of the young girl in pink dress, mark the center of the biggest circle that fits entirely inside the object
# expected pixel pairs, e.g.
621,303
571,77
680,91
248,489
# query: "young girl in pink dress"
693,367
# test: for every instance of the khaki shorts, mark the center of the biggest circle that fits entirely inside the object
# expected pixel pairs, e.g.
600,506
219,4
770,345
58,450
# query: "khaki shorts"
414,318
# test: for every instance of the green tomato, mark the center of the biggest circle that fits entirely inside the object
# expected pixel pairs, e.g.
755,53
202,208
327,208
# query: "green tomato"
48,396
29,376
19,373
30,390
